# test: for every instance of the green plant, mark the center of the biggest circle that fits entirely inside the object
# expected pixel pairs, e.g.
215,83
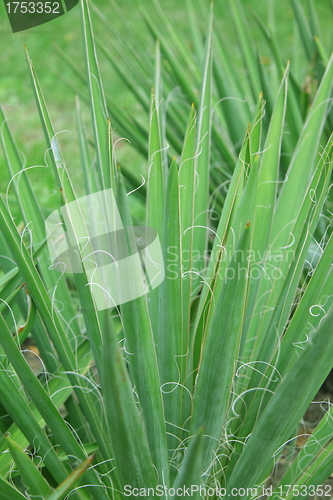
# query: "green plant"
206,382
235,86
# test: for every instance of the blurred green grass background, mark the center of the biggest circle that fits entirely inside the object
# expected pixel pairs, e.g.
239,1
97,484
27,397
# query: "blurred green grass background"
16,94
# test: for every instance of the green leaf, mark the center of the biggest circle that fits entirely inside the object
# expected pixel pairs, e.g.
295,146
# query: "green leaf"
186,201
17,407
315,458
304,28
55,329
41,399
34,220
302,163
292,396
132,455
220,349
31,476
202,160
8,492
266,195
88,171
142,359
59,389
155,192
66,486
189,475
243,36
99,112
170,338
235,209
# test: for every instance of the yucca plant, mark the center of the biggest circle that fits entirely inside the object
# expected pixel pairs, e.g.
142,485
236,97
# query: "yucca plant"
235,87
197,388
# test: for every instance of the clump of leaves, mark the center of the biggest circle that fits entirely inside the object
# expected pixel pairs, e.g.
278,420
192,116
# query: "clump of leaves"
204,380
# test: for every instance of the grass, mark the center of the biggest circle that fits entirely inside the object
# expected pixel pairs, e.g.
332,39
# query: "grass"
204,380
